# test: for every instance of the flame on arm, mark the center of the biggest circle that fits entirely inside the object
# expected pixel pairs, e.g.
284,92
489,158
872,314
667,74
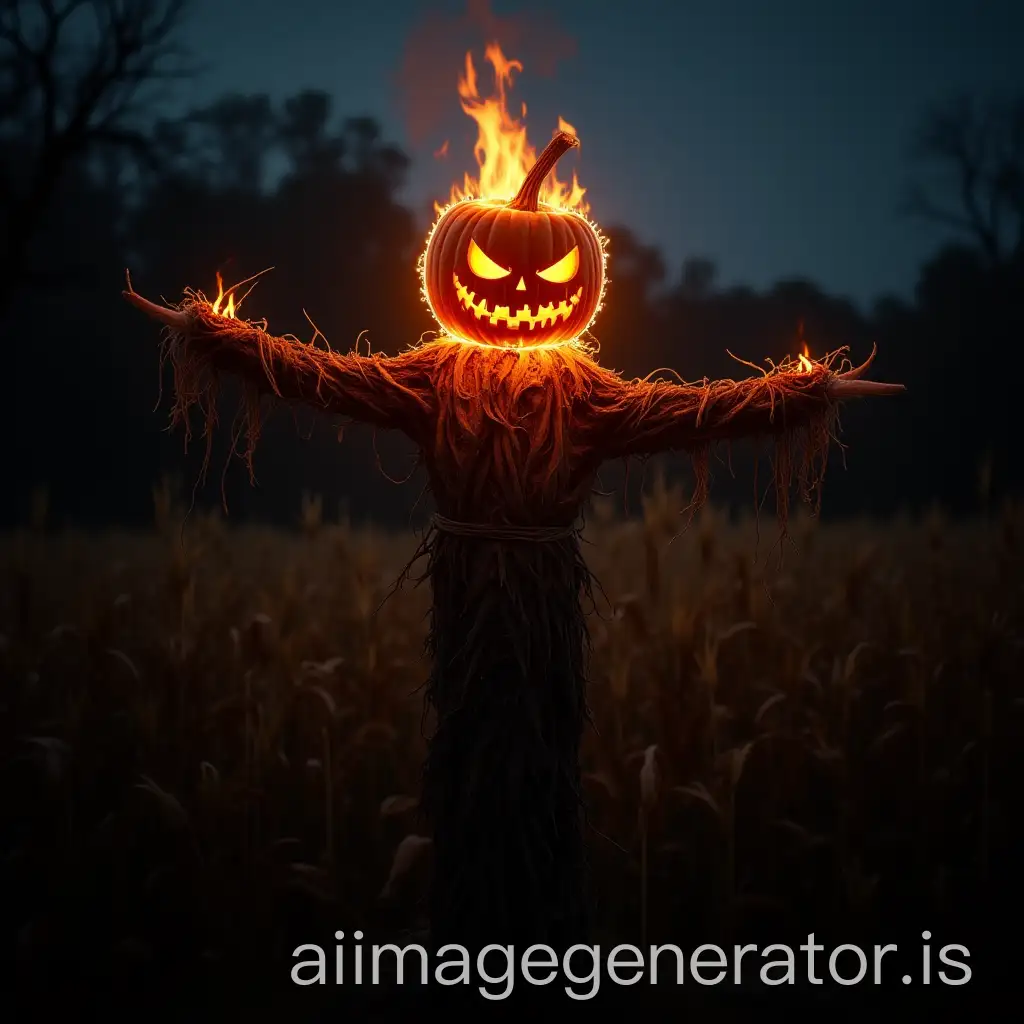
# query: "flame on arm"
387,392
644,417
203,344
795,403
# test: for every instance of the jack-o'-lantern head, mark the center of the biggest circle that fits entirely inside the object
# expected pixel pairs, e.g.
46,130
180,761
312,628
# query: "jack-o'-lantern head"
518,273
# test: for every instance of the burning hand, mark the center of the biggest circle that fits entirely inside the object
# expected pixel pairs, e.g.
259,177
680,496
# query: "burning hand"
206,337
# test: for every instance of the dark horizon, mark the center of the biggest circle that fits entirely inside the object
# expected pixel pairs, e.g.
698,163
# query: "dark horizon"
828,96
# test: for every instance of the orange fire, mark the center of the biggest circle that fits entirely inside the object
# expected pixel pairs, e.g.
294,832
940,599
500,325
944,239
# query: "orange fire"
806,364
502,152
229,309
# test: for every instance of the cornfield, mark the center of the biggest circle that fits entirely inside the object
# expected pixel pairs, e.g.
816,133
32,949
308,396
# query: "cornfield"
215,733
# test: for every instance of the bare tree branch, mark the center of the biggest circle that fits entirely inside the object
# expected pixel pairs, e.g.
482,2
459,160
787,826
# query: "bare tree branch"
67,99
980,151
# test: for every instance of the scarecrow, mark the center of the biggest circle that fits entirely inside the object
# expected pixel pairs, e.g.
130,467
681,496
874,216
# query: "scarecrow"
512,416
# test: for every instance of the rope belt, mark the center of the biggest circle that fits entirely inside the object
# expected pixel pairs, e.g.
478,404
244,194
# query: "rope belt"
489,531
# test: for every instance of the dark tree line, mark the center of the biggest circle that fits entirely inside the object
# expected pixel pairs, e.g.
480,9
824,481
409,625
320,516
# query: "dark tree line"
94,183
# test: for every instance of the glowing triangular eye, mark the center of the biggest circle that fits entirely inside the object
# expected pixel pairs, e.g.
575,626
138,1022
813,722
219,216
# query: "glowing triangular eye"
565,269
482,265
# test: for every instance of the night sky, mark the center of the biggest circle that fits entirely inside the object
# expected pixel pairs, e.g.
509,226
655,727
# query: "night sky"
771,136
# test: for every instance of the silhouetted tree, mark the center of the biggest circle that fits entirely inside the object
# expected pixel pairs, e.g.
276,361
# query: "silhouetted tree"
967,309
238,137
65,102
698,278
304,133
631,322
975,155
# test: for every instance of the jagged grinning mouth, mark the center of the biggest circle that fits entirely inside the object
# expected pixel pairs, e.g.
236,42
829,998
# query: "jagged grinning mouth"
524,315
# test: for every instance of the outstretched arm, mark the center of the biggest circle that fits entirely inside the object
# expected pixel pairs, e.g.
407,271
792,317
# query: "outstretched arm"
387,392
645,417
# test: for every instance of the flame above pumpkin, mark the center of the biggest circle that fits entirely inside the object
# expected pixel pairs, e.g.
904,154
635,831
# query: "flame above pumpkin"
503,154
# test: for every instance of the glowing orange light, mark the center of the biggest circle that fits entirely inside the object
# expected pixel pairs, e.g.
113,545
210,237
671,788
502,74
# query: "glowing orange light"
806,363
229,309
462,285
503,154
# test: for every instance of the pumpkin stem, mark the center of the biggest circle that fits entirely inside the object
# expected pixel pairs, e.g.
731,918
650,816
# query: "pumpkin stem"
528,196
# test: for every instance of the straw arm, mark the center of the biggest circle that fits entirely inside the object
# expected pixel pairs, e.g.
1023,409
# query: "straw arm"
387,392
646,417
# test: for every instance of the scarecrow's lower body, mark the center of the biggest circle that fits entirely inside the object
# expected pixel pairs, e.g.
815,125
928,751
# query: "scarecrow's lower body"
502,781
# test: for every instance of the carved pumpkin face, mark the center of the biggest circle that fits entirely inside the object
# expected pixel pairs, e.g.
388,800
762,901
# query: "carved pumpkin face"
511,277
518,273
